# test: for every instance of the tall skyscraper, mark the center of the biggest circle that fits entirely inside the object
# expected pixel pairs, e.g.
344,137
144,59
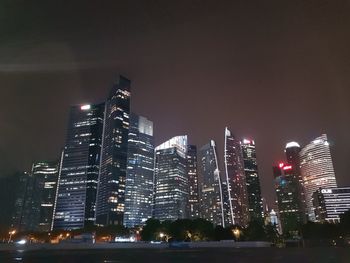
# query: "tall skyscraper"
78,177
192,174
235,180
45,175
23,201
252,180
286,186
140,169
292,151
111,187
210,185
316,169
171,180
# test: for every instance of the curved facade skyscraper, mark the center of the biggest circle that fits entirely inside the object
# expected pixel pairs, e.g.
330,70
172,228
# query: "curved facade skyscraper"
78,176
210,185
238,213
316,169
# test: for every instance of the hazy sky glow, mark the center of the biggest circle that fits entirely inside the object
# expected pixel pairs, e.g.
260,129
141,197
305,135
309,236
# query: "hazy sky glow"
269,70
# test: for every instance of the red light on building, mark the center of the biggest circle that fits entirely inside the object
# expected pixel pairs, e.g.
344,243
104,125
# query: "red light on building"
288,167
281,165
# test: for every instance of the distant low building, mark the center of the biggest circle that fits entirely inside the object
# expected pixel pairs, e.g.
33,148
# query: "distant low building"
330,203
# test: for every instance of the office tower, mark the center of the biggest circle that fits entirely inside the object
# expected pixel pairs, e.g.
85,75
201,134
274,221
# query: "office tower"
192,174
45,176
330,203
140,169
226,203
235,180
316,169
286,187
171,185
78,177
111,187
22,203
210,185
252,180
292,151
8,198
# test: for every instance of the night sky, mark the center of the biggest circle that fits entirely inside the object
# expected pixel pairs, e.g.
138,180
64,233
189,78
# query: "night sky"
274,71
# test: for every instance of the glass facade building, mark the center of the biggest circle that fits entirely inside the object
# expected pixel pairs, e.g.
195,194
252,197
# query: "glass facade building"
330,203
23,202
78,176
211,196
192,174
238,213
317,170
171,184
292,151
140,169
286,187
45,175
255,205
111,188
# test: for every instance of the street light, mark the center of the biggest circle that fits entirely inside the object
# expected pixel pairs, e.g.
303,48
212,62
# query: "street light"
236,233
162,236
11,233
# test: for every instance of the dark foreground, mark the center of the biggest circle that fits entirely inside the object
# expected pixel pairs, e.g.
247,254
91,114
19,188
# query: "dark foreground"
236,255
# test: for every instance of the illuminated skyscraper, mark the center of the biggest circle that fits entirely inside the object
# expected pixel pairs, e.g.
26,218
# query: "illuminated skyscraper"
292,151
45,175
286,186
210,185
140,169
77,184
192,173
236,182
316,169
111,187
252,179
171,193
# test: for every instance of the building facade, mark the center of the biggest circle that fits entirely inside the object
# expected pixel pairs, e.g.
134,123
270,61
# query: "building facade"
211,196
45,176
111,188
292,151
255,205
140,169
75,203
317,170
171,183
192,174
238,213
331,203
286,187
23,203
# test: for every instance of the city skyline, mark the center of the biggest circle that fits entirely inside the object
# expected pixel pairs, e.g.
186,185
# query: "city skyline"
109,163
